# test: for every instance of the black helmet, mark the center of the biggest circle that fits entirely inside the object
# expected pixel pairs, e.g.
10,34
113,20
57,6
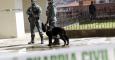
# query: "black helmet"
33,2
50,1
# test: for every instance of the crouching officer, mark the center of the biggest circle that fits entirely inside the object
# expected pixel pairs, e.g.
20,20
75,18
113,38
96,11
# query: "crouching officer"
34,14
51,19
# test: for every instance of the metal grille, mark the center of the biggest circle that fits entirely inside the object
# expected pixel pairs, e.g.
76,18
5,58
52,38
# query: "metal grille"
75,19
71,18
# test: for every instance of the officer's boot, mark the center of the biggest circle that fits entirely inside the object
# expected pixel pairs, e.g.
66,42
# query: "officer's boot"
32,39
41,36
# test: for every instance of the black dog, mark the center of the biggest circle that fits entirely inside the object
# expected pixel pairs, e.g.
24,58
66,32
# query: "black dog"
57,31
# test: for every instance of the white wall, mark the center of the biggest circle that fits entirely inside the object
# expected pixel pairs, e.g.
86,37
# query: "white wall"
43,4
9,27
7,19
19,18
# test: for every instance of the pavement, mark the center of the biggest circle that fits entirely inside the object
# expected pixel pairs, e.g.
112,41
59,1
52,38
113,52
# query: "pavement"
20,44
21,40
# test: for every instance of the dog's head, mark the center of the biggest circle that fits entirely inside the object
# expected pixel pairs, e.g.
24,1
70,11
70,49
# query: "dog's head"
45,27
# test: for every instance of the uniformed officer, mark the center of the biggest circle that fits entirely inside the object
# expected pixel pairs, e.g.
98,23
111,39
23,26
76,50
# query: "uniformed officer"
51,18
34,12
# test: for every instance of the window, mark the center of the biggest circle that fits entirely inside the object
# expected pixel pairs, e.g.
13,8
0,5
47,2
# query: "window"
102,1
112,1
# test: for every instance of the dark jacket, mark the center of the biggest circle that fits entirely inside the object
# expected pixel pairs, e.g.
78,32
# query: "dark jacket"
34,11
92,9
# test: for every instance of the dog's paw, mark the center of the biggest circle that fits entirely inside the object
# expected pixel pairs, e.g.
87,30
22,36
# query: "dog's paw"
49,45
63,45
67,44
42,43
30,42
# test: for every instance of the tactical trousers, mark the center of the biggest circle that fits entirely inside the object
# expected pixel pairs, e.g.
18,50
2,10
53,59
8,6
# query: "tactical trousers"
37,23
52,22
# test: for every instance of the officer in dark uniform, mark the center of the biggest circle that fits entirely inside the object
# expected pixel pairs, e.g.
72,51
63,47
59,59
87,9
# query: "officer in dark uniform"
34,15
92,11
51,19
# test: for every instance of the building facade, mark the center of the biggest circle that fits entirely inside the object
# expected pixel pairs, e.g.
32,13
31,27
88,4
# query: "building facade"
104,1
74,10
